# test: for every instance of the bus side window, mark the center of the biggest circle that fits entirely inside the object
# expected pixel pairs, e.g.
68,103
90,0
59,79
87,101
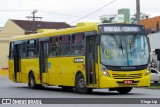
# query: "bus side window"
11,54
64,48
53,46
24,49
77,47
32,48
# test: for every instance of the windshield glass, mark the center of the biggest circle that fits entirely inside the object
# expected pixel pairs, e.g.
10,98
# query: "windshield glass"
124,50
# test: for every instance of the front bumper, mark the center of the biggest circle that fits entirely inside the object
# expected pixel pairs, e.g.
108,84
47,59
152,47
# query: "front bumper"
108,82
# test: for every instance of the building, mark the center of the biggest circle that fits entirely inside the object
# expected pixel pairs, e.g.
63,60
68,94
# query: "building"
154,39
126,13
122,16
21,27
153,30
151,24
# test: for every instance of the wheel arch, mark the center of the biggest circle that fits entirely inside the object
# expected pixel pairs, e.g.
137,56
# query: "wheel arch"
79,72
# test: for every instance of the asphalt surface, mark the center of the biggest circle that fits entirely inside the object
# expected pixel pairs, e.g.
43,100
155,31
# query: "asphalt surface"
9,89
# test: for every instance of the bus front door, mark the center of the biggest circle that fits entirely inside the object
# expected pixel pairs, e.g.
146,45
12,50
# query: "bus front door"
90,60
17,63
43,61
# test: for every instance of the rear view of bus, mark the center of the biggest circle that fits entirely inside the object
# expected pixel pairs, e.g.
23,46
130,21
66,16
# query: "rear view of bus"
124,57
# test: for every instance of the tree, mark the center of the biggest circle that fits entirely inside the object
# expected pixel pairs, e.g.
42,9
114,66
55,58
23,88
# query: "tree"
142,16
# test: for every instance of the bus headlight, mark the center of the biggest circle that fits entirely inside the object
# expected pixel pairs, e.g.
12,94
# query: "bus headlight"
104,70
148,71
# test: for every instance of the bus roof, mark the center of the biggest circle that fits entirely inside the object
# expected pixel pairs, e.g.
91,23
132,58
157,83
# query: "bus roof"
77,29
81,27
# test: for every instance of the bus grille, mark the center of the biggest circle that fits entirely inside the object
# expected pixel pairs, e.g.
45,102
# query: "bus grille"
127,76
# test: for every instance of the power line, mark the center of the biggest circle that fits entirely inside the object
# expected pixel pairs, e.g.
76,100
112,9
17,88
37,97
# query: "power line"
57,13
93,12
42,11
13,10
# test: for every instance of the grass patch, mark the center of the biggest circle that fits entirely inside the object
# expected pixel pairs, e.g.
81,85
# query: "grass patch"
154,86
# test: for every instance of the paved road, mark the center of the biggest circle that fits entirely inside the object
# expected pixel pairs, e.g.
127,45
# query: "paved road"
9,89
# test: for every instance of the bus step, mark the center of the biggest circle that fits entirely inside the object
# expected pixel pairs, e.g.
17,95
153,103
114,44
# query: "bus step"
44,84
91,86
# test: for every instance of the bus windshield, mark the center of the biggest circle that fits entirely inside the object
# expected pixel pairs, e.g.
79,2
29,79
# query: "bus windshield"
124,50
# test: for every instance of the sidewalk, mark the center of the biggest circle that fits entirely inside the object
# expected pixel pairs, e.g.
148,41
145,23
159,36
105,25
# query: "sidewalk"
3,72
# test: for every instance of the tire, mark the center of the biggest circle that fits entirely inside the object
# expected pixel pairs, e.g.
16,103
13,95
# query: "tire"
124,90
80,85
32,82
156,82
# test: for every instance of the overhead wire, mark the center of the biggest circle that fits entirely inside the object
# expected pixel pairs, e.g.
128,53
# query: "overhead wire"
42,11
57,13
94,11
13,10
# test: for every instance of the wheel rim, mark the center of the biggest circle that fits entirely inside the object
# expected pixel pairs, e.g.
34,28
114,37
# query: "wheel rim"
32,81
81,83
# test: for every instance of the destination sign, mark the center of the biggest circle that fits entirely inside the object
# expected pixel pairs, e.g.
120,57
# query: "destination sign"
121,29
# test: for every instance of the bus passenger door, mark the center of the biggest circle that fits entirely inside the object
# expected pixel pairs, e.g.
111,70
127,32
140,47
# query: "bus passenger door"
17,63
43,61
90,59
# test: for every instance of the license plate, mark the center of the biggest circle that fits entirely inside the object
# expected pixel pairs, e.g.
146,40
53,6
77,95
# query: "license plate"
128,81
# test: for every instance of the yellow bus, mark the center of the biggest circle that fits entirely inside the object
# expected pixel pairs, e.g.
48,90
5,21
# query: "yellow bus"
85,57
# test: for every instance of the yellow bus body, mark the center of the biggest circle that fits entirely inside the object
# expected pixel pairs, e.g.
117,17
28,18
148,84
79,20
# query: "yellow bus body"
64,73
62,70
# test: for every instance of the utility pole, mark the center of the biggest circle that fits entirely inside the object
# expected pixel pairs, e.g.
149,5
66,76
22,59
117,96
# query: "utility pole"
138,11
33,18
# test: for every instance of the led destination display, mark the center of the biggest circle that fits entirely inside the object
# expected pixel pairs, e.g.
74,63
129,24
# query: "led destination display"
121,29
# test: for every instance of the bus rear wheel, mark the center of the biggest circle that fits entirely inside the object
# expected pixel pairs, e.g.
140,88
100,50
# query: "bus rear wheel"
80,85
32,82
124,90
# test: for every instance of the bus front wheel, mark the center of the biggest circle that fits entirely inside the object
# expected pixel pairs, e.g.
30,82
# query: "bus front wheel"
124,90
80,85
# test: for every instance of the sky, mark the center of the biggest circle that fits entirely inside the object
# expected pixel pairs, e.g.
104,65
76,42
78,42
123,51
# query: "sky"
71,10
